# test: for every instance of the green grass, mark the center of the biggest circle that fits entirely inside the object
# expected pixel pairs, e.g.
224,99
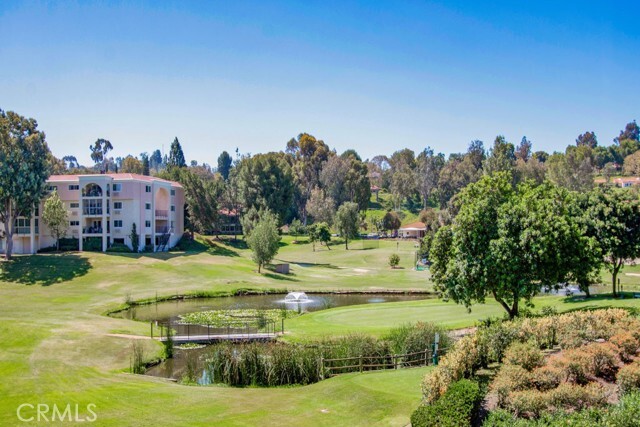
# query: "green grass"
56,346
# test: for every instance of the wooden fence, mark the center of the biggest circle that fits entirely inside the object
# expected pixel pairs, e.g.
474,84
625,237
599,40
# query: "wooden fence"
370,363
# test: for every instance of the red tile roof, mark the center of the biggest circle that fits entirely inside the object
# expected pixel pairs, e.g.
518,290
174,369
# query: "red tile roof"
116,176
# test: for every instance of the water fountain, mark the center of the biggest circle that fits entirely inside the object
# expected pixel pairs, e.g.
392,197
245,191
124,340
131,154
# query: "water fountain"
296,297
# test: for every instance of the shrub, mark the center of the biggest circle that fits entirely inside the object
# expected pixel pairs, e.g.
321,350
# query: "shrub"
456,408
510,378
573,364
628,378
576,397
394,260
527,403
92,244
627,344
494,340
626,413
119,248
546,377
460,361
527,355
603,359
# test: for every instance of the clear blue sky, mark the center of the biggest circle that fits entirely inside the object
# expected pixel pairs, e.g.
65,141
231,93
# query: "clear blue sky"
374,76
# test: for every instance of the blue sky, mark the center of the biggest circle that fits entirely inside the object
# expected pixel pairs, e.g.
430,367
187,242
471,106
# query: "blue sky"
374,76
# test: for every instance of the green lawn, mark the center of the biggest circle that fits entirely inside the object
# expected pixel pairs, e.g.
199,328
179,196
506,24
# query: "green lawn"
56,347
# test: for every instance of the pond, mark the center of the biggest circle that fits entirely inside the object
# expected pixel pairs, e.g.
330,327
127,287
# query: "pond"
175,368
170,310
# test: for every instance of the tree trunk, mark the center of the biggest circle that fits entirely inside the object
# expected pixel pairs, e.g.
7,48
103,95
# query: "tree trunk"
9,237
511,311
259,265
327,245
614,275
346,243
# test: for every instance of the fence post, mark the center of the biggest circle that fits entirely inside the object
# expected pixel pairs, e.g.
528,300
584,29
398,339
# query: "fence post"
321,367
360,363
426,351
152,330
188,331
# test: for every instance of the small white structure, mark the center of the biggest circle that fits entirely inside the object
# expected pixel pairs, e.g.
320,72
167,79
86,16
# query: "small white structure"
415,230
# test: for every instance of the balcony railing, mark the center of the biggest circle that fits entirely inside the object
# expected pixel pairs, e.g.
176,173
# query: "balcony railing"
92,230
92,211
161,212
25,230
163,230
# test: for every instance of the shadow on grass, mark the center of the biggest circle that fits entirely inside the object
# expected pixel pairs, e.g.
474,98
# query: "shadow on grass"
285,277
194,247
310,264
44,270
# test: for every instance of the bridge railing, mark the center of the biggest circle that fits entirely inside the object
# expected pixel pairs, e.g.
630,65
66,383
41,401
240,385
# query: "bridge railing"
249,328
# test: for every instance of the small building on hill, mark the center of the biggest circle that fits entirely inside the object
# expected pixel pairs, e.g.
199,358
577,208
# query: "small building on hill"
415,230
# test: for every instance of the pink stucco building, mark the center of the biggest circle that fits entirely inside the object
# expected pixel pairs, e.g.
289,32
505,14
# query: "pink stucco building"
105,207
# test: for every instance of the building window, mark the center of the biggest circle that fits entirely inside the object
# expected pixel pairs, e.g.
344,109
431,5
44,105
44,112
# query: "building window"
173,192
74,187
117,205
171,224
173,208
74,205
147,189
37,211
118,241
147,206
74,223
147,224
117,223
52,188
117,187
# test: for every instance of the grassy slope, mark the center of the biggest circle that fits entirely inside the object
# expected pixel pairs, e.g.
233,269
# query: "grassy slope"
55,347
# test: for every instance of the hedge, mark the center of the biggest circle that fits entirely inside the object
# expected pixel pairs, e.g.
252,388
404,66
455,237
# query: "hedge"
456,407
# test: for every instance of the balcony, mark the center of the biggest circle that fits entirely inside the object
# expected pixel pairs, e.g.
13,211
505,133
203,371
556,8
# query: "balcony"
160,213
163,230
92,230
92,211
25,230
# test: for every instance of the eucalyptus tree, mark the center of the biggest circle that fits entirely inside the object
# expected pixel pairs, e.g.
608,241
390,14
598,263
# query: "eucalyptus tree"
99,151
347,221
24,169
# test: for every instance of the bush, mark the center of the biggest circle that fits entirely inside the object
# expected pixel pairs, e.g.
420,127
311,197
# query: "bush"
603,359
626,413
92,244
494,339
576,397
527,403
119,248
456,408
527,355
573,364
510,378
546,377
627,344
394,260
628,378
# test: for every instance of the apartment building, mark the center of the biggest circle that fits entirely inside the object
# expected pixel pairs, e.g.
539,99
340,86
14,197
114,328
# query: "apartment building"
103,208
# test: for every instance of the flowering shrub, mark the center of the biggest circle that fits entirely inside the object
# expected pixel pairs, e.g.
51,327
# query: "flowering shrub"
510,378
626,343
628,378
527,355
546,377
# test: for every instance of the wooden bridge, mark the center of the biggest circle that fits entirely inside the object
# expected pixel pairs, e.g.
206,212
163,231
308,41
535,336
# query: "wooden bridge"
181,333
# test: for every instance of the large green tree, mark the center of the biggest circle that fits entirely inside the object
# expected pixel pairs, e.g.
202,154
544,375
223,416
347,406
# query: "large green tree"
322,208
264,240
319,232
176,156
99,151
615,215
505,243
54,215
225,162
24,169
266,182
347,220
427,173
